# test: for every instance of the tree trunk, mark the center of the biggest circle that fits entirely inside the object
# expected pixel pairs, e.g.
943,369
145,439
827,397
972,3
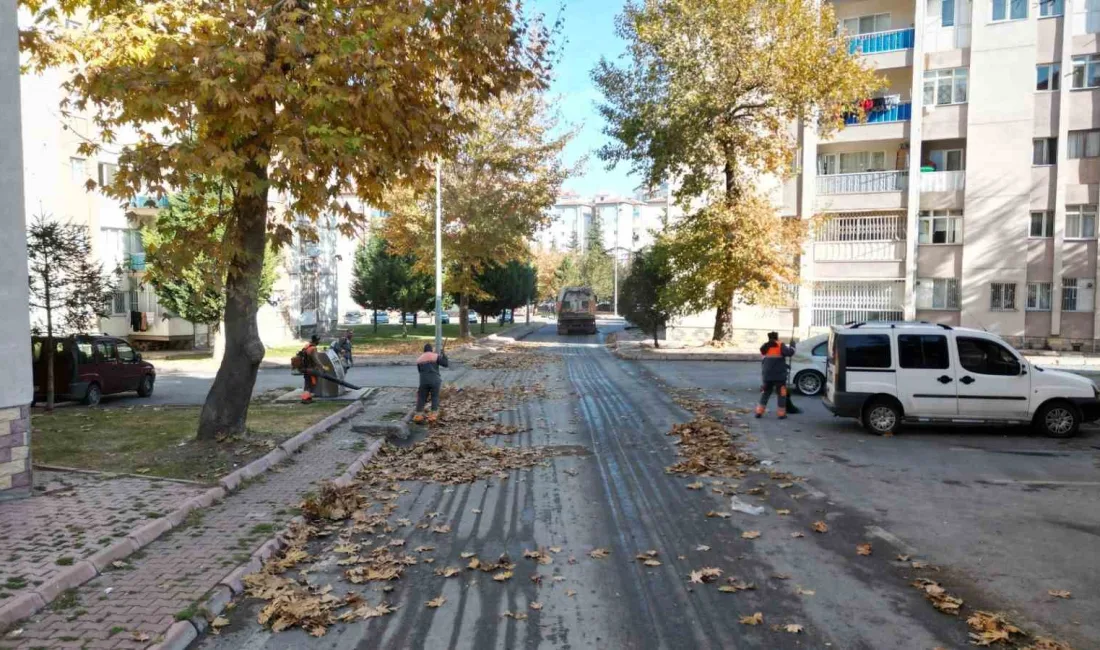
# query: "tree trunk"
415,315
482,323
463,316
374,319
527,312
404,328
723,322
49,351
723,316
656,331
226,407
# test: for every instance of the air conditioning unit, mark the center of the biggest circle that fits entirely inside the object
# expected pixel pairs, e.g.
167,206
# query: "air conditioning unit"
1088,285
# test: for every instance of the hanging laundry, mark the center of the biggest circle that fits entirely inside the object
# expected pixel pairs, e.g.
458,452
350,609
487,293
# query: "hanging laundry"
135,321
150,319
892,100
866,105
143,324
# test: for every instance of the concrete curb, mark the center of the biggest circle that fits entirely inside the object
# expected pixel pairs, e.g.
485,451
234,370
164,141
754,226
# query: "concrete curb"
232,585
639,355
31,603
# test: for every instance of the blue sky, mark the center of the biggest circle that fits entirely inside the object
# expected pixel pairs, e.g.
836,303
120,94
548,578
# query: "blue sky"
588,33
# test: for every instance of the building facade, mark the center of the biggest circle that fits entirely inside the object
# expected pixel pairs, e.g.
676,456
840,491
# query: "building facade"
969,195
627,224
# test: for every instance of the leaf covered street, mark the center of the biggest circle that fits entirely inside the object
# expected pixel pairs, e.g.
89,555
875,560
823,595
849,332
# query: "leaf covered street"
604,506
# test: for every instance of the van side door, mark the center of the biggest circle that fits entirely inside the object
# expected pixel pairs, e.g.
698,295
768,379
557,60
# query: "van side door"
990,383
926,375
107,366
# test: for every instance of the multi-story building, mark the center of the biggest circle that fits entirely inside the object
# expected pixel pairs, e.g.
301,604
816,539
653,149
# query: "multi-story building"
969,195
627,224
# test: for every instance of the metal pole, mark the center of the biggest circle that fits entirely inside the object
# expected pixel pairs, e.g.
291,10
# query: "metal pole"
615,262
438,255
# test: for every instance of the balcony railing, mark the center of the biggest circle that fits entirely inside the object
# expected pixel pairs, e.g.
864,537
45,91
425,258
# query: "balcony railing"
859,251
899,113
942,181
863,183
891,41
137,261
150,202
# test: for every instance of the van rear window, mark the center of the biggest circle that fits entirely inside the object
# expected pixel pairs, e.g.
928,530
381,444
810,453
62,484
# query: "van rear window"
867,350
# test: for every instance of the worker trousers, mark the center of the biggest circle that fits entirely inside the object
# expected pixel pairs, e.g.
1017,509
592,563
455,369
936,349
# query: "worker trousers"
780,389
424,392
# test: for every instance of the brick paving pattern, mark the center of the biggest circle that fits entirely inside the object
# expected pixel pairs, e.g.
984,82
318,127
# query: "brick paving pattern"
77,515
133,606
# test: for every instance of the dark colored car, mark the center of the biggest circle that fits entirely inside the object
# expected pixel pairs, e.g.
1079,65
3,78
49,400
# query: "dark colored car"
88,367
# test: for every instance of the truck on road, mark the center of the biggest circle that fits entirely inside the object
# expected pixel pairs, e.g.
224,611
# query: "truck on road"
577,310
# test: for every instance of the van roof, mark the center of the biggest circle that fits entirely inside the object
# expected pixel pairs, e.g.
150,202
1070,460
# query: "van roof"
907,325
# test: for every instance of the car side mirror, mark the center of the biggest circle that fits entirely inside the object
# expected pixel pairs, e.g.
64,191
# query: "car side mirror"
1022,367
137,357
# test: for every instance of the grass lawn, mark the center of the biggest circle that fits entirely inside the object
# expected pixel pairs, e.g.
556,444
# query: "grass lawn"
160,441
389,339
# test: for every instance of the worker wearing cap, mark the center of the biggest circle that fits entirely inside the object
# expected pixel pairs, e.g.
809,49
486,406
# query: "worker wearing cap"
427,365
773,370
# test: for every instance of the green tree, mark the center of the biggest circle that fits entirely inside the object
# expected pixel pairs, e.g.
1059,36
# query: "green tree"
643,299
414,291
186,260
309,101
373,286
709,89
71,291
497,192
503,286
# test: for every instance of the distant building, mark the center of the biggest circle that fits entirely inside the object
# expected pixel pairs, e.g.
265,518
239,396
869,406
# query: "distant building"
626,223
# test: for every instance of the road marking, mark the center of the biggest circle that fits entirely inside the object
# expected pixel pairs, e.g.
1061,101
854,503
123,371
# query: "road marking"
1041,483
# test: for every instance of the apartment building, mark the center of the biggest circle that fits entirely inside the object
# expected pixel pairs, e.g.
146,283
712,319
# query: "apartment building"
627,224
969,195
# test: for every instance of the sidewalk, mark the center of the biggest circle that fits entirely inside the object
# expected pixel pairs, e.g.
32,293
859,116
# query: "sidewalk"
133,603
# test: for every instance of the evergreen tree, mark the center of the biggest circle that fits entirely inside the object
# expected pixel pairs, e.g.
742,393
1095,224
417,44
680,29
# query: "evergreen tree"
642,297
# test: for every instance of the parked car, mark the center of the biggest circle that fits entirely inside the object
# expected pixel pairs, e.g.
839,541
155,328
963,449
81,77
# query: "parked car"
88,367
472,317
381,318
353,318
444,318
506,316
808,365
409,319
887,373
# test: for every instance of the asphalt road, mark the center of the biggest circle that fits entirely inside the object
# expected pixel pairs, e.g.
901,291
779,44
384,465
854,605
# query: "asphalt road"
1002,516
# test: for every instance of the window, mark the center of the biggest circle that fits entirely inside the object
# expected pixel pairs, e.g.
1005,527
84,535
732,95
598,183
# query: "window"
867,350
1048,76
83,352
1086,71
105,350
118,302
923,351
125,353
1084,144
1038,296
1044,151
820,350
1009,9
107,173
851,163
947,13
947,160
1052,7
1077,294
1042,224
1080,222
77,171
134,305
945,86
866,24
1002,296
985,357
937,293
940,227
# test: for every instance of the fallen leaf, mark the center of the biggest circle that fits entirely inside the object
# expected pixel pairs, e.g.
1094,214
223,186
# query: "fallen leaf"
467,555
502,576
1059,593
781,576
424,549
938,596
702,547
442,530
555,549
436,602
558,578
397,542
804,592
694,486
474,564
448,572
569,593
918,565
706,574
750,534
219,622
599,553
901,558
863,549
796,535
755,619
793,628
476,511
991,628
535,606
784,486
516,616
782,511
720,515
820,527
139,636
652,562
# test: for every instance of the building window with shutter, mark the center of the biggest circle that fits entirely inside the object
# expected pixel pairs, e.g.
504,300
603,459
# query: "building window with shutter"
1002,296
937,293
1039,296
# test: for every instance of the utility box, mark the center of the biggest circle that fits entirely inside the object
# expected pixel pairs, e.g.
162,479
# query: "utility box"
330,365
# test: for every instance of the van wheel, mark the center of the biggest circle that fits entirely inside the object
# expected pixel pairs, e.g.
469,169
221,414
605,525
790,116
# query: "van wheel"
882,417
92,397
809,382
145,388
1058,420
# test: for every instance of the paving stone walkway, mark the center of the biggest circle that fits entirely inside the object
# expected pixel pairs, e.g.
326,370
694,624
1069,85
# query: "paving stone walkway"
73,515
132,606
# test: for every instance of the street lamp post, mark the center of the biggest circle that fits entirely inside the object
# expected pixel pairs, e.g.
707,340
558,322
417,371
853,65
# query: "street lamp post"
438,256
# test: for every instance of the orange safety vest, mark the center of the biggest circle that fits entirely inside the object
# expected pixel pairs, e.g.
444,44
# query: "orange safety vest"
774,350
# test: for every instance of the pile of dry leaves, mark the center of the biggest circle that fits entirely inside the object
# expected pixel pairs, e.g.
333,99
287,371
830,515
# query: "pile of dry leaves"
472,410
447,458
706,448
512,358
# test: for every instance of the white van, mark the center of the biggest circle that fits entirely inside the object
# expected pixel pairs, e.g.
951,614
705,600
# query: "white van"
886,373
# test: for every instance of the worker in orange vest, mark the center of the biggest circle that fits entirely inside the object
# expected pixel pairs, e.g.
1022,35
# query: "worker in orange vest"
773,370
307,365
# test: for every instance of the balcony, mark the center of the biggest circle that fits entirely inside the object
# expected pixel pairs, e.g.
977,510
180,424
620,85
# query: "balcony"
889,124
876,42
899,113
942,190
148,202
863,183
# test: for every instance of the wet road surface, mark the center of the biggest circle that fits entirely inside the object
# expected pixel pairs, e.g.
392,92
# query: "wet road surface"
605,486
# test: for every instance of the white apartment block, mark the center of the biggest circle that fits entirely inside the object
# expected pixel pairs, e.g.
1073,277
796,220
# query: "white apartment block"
627,223
969,196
